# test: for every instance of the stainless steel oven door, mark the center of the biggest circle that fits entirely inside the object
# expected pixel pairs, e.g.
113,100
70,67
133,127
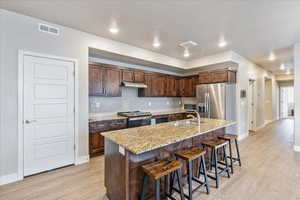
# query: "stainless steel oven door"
138,121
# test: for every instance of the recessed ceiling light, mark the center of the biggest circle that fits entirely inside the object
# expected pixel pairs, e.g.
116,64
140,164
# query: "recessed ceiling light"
186,53
282,66
114,30
156,44
222,43
272,56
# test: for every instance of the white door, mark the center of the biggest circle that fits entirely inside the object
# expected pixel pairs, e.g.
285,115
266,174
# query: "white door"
48,104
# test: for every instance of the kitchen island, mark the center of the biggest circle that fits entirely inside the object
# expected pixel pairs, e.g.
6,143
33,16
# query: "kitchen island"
128,149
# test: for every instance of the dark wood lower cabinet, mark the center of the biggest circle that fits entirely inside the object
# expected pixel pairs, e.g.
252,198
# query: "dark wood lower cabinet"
96,140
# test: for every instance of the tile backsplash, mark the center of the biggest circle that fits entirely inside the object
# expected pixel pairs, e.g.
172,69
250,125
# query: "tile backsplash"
130,102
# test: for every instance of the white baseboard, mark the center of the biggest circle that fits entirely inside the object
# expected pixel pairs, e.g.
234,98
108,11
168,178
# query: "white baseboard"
9,178
82,159
296,148
260,127
243,136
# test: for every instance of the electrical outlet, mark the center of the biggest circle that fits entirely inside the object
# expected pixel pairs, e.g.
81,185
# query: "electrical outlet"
149,103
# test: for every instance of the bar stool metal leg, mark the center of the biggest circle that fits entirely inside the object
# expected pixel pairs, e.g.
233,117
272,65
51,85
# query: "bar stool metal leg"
144,187
190,175
216,167
205,174
178,173
157,189
230,154
226,161
238,152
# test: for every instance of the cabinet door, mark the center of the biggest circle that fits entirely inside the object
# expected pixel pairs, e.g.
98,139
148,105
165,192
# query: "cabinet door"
204,77
127,75
139,77
188,87
181,87
96,81
171,86
158,85
146,92
112,82
96,144
219,76
231,77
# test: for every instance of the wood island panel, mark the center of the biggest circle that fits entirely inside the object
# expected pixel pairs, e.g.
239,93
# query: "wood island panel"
123,173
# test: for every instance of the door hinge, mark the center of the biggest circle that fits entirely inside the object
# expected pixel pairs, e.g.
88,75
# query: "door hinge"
74,110
74,147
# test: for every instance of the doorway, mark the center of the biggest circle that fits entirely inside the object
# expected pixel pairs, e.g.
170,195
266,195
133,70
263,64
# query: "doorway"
251,105
268,113
286,101
47,113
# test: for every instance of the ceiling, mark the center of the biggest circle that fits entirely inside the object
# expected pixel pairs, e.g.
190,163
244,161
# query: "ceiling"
251,28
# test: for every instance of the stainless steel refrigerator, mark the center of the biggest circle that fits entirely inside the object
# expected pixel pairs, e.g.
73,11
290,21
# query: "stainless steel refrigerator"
217,101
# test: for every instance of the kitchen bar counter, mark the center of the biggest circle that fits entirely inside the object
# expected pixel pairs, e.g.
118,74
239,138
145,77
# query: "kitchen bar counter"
143,139
128,149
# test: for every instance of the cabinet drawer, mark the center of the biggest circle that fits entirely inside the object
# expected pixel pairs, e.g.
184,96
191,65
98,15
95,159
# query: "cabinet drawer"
107,125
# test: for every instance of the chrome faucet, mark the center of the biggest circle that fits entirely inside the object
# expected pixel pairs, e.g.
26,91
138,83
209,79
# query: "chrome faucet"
193,116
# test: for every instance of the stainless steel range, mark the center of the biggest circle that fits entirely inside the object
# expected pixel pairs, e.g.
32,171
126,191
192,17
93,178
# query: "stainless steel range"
137,118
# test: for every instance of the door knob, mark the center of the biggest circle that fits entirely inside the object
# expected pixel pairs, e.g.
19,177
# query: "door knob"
29,121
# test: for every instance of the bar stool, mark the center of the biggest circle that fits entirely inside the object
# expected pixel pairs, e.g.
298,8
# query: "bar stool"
215,145
158,170
230,138
189,155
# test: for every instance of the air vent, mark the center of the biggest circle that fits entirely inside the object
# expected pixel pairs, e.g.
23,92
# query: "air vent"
48,29
188,44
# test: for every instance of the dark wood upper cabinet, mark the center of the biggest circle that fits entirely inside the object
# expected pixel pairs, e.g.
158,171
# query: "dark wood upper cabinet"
171,86
139,77
96,81
127,75
104,80
146,92
187,86
112,82
204,77
158,85
217,76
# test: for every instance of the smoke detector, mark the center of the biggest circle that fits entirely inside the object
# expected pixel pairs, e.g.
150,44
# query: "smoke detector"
188,44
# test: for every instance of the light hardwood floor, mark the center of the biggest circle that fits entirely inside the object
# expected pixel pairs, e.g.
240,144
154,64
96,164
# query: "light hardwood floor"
271,171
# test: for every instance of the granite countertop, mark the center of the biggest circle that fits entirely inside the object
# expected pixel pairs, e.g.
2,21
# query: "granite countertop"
142,139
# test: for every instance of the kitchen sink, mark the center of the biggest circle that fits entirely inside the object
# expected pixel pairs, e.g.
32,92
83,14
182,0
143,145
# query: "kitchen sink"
187,123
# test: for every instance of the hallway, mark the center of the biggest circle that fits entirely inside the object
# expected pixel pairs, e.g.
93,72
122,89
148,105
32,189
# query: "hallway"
270,172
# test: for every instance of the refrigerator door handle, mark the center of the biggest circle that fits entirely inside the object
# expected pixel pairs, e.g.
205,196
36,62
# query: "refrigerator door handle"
208,104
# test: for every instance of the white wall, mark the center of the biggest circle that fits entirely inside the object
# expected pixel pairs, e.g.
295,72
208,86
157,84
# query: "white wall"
1,89
297,96
21,32
246,71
